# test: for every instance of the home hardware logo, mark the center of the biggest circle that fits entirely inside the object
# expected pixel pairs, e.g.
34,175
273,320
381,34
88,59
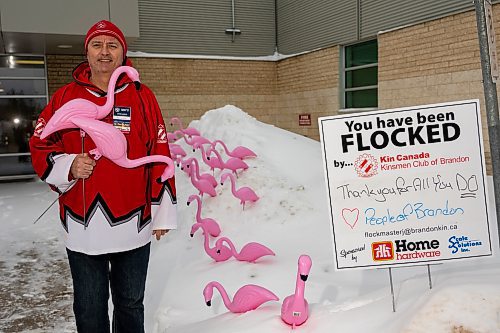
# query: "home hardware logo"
382,251
417,249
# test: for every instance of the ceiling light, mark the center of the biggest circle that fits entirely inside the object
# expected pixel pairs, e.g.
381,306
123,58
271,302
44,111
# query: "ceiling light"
65,46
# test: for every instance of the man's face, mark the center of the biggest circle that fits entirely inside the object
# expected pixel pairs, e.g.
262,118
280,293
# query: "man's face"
104,54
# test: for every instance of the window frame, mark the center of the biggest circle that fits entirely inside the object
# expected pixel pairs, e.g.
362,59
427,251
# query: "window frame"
342,78
46,96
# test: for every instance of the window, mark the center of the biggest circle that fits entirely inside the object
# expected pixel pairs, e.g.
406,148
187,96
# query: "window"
360,76
23,94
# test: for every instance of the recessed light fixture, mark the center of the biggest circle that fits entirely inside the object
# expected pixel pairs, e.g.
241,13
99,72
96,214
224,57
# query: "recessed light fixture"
64,46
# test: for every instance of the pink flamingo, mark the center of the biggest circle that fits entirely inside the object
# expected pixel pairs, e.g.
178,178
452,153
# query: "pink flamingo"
177,152
213,163
171,137
80,107
233,163
244,193
197,141
295,310
203,185
111,143
238,152
222,254
191,165
194,141
249,297
250,252
188,130
211,225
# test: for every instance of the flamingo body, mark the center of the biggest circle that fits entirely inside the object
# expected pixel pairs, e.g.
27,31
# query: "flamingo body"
111,143
213,163
203,186
238,152
80,107
177,152
295,309
233,163
190,131
171,137
221,254
197,141
249,252
192,163
249,297
211,225
244,193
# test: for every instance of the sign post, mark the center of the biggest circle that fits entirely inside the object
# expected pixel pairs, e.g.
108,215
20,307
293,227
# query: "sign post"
489,67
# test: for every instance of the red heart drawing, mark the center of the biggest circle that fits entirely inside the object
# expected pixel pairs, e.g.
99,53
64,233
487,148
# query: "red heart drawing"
350,216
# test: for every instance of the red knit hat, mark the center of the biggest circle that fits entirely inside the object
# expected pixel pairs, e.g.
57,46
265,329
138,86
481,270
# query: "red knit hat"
109,29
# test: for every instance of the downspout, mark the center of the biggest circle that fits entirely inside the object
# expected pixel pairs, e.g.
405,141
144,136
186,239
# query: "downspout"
233,30
276,50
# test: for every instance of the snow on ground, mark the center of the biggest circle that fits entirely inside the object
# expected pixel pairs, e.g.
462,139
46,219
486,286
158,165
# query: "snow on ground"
291,218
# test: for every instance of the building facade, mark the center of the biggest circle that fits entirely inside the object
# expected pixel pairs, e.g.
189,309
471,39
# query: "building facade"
279,61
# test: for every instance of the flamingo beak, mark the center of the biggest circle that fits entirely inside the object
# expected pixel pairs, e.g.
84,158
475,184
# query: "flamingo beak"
192,235
304,277
209,303
188,203
218,251
137,85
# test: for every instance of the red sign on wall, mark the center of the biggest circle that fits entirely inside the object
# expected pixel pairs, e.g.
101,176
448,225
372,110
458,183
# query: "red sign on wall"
305,119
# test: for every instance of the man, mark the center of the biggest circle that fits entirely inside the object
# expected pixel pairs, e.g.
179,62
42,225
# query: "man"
109,213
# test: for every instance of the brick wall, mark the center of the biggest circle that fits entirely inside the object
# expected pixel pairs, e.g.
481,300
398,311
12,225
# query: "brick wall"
433,62
187,88
307,84
59,69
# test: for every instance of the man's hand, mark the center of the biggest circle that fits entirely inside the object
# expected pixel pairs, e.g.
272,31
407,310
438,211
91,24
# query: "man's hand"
82,166
159,233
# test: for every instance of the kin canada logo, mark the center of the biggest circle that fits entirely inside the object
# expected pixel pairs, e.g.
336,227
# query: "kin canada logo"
162,134
40,125
401,249
366,165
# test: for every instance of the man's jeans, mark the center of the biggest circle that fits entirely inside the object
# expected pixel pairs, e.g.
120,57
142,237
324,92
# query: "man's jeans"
92,276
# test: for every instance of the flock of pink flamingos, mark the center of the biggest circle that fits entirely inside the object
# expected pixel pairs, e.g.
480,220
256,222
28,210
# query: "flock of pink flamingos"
111,143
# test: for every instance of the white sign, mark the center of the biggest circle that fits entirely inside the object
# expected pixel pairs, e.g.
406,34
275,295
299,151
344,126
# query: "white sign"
406,186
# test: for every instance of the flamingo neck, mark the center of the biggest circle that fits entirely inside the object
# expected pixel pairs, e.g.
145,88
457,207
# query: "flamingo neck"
223,145
233,183
203,154
299,289
196,167
218,155
100,82
193,178
228,242
206,243
223,293
198,210
178,121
